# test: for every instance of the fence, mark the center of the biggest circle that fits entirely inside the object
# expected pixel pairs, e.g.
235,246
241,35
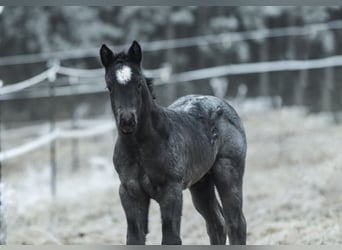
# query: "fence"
50,74
206,73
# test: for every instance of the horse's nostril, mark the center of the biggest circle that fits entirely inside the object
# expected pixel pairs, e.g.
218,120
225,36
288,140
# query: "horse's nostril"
127,120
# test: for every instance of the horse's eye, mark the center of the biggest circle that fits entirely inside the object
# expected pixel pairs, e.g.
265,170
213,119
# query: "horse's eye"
139,86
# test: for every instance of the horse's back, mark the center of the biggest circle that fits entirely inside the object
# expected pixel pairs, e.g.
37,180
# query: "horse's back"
224,123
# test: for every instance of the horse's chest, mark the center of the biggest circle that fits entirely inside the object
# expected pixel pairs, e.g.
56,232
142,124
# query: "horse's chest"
149,186
152,174
154,169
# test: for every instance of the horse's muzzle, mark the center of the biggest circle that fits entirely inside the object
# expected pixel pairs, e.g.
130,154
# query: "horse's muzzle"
127,123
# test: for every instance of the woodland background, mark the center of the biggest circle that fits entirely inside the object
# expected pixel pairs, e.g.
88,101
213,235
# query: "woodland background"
30,30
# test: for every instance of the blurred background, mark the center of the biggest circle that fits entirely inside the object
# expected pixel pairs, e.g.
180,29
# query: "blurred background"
280,67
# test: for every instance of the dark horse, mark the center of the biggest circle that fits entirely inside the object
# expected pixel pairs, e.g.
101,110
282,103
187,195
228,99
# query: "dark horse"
198,142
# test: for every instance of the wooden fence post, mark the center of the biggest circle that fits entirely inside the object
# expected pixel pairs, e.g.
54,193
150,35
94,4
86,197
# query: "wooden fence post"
327,88
52,80
74,125
329,45
299,92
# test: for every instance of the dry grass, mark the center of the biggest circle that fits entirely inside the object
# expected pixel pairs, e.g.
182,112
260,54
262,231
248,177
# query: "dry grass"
292,189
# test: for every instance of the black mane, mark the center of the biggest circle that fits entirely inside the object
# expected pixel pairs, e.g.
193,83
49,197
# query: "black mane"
149,82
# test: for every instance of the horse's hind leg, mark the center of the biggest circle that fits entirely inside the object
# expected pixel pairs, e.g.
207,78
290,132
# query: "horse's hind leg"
204,198
228,176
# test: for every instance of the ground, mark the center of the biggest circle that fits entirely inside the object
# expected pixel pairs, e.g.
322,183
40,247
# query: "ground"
292,187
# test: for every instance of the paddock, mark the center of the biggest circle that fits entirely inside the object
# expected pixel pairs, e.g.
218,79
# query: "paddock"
291,187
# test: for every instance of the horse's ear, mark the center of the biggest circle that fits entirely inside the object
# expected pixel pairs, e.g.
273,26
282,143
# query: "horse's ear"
106,55
134,52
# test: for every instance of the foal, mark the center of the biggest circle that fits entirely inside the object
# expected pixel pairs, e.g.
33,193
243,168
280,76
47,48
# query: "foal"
198,142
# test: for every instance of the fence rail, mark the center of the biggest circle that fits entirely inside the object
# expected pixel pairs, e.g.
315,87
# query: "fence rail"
49,73
54,135
164,76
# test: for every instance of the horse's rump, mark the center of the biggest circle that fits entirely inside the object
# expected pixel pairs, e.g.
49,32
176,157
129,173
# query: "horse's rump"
208,107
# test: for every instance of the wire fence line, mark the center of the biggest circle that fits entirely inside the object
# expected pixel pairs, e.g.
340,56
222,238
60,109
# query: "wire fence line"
164,75
234,69
29,82
259,67
54,135
50,74
97,73
228,37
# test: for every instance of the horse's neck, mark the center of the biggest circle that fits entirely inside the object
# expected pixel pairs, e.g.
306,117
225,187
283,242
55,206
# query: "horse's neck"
151,121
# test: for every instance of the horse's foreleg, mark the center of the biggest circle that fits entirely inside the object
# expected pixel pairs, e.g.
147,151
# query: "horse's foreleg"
136,204
170,202
204,199
228,180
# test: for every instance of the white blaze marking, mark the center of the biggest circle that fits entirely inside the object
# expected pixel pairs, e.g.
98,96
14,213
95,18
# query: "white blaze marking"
123,75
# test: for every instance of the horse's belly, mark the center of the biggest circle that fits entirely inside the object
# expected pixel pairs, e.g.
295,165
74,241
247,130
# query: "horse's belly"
195,174
203,160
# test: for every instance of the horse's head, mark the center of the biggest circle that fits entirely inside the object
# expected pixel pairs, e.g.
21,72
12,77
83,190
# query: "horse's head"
126,84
